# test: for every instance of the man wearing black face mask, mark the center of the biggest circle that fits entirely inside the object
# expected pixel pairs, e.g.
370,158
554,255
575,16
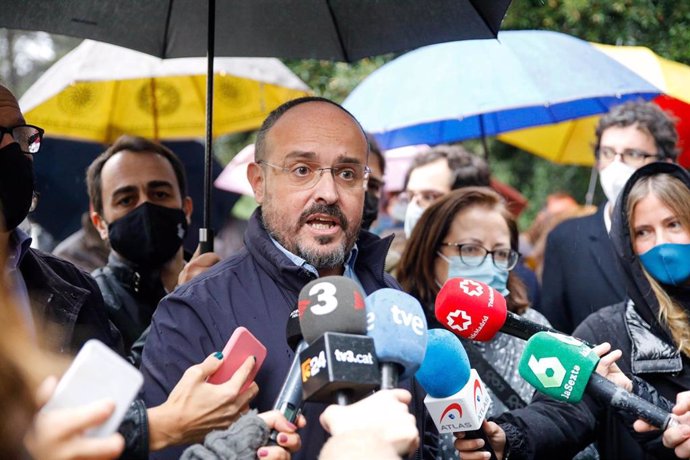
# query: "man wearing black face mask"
48,290
137,191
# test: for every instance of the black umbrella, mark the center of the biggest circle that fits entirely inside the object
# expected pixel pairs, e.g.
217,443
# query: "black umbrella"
344,30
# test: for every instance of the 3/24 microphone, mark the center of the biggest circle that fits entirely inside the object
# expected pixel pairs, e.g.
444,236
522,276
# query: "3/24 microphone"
396,322
456,397
476,311
340,362
563,368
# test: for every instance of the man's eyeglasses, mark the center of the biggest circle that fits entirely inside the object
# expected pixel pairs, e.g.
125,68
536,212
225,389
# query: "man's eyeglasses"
28,137
306,175
474,254
632,157
424,198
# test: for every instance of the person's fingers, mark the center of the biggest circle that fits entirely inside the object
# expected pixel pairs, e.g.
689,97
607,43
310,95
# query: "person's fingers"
610,358
200,372
301,421
272,453
476,455
197,251
682,403
240,376
675,435
94,448
290,441
275,419
46,389
462,444
402,395
602,349
85,417
206,260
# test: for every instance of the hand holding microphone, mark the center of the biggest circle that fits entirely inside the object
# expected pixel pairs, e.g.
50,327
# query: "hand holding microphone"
563,368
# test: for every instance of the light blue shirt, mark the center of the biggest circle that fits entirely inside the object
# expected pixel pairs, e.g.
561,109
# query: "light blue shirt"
349,271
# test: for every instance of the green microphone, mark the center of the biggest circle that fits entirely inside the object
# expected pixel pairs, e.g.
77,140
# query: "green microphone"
563,367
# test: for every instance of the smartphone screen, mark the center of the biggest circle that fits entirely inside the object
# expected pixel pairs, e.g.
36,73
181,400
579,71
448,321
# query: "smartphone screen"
241,345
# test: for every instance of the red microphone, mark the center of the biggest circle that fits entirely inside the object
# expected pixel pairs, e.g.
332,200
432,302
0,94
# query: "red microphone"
476,311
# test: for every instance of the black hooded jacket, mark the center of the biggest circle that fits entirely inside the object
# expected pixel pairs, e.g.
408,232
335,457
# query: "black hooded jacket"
550,429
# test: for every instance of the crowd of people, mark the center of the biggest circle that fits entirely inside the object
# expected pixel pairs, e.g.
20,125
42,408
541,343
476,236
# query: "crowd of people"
617,277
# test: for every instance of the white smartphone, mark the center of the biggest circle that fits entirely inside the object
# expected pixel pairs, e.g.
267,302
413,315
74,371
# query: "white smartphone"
98,373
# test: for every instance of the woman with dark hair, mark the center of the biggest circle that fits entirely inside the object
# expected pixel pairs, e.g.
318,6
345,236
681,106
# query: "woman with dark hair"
650,233
470,233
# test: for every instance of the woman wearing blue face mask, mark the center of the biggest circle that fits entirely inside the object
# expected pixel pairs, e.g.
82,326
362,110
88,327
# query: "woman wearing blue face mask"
470,233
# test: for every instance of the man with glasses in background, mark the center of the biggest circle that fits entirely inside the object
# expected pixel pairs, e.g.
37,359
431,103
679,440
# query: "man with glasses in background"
49,291
580,271
309,179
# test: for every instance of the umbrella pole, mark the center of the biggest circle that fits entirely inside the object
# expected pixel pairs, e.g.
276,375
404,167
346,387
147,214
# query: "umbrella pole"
589,198
205,232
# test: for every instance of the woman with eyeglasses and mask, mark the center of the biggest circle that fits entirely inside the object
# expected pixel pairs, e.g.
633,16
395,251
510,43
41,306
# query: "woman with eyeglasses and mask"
469,233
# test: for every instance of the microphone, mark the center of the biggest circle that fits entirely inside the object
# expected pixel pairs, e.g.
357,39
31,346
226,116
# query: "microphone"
563,368
398,326
456,397
289,400
340,362
476,311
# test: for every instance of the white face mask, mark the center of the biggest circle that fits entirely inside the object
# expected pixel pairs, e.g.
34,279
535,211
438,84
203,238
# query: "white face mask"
613,178
412,215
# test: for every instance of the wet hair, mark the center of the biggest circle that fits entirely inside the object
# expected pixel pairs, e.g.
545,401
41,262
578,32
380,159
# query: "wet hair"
466,168
275,115
133,144
416,267
675,195
649,118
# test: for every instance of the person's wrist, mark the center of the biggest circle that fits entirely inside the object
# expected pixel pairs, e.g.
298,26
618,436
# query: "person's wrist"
161,434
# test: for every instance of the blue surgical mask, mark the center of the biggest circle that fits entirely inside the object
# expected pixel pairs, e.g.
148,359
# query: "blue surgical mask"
668,263
486,272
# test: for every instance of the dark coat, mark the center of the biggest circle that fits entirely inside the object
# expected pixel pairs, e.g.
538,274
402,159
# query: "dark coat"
130,296
550,429
257,288
62,295
580,272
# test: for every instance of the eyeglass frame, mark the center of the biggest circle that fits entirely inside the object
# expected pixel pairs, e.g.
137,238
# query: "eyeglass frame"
286,170
626,154
4,130
487,252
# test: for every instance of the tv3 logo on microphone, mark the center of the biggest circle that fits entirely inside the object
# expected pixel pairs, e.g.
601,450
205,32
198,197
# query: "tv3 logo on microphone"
312,366
326,296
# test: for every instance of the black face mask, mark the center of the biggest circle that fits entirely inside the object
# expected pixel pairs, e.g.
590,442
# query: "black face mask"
150,235
16,186
371,210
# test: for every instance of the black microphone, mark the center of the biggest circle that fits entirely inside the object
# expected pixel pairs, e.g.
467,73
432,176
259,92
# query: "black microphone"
289,400
340,363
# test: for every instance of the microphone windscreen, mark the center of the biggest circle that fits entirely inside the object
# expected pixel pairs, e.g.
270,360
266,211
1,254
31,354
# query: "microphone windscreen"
557,365
398,326
331,304
293,331
446,368
471,309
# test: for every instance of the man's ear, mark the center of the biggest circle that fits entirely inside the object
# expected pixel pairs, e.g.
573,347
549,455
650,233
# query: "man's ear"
188,208
100,224
255,176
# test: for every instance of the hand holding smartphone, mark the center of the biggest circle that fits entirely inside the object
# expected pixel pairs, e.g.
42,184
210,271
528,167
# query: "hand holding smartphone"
97,373
241,345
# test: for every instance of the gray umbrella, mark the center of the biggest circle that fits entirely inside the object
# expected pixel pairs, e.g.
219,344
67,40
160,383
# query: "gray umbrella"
344,30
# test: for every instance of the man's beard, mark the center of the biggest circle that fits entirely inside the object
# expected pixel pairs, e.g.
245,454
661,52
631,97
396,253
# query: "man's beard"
334,258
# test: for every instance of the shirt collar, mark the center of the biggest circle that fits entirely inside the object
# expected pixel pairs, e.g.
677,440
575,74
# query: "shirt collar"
300,262
20,242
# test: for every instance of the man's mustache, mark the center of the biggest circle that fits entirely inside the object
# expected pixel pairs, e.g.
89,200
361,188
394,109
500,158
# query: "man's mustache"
328,209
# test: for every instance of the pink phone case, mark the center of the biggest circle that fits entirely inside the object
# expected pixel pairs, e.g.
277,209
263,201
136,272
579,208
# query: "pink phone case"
240,346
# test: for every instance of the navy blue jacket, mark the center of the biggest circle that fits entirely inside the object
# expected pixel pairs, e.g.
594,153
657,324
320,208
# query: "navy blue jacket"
256,288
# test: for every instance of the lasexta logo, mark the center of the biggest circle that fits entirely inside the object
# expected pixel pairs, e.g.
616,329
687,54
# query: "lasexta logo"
549,371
